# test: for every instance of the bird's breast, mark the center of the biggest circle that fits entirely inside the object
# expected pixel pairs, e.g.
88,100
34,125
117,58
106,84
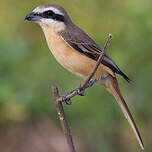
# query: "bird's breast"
73,60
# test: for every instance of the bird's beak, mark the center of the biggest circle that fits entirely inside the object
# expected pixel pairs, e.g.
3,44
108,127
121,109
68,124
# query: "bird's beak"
32,17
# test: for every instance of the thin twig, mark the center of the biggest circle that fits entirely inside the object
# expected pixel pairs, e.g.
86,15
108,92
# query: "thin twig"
58,99
63,120
83,84
98,62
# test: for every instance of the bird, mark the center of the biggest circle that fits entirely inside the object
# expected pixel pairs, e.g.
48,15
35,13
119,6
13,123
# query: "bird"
78,53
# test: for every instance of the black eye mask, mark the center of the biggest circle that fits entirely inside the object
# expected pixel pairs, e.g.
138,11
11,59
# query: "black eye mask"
50,14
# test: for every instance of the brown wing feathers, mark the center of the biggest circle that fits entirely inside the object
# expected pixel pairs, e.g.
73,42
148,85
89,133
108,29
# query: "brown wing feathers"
92,52
81,42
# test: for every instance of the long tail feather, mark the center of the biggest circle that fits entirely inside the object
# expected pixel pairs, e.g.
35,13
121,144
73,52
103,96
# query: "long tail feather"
111,85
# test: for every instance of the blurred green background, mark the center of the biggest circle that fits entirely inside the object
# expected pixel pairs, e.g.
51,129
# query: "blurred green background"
28,119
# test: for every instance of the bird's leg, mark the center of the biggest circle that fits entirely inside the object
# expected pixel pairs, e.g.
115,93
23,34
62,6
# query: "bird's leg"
80,91
91,83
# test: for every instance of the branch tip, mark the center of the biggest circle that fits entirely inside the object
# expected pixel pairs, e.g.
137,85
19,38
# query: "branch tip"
110,35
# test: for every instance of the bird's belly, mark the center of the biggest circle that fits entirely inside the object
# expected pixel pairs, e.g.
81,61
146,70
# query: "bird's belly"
73,60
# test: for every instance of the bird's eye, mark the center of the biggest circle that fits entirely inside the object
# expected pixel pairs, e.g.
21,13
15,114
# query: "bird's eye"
48,13
51,15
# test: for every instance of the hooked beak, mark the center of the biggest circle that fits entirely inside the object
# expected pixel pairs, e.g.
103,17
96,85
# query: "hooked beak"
32,17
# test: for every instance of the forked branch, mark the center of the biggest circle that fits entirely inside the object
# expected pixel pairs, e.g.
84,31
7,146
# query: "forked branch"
58,99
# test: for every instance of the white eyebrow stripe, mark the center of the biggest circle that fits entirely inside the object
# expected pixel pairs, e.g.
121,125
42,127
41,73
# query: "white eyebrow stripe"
41,10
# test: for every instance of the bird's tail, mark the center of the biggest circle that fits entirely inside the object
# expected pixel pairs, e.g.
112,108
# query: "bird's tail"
111,85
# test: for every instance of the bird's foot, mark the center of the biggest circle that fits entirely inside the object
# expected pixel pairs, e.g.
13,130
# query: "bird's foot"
65,100
80,91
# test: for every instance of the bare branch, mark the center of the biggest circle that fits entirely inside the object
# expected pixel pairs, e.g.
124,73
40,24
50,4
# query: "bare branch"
58,99
63,120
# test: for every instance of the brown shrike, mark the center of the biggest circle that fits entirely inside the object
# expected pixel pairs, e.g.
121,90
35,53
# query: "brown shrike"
78,53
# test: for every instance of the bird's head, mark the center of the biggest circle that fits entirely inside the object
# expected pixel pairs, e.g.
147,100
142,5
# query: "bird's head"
49,16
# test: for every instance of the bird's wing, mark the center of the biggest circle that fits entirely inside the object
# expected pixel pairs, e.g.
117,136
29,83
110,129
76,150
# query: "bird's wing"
81,42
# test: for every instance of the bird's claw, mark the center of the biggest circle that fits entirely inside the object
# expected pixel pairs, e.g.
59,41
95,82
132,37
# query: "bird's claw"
80,91
65,100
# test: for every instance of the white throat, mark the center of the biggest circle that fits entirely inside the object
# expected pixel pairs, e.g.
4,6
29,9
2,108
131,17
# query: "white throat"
51,26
